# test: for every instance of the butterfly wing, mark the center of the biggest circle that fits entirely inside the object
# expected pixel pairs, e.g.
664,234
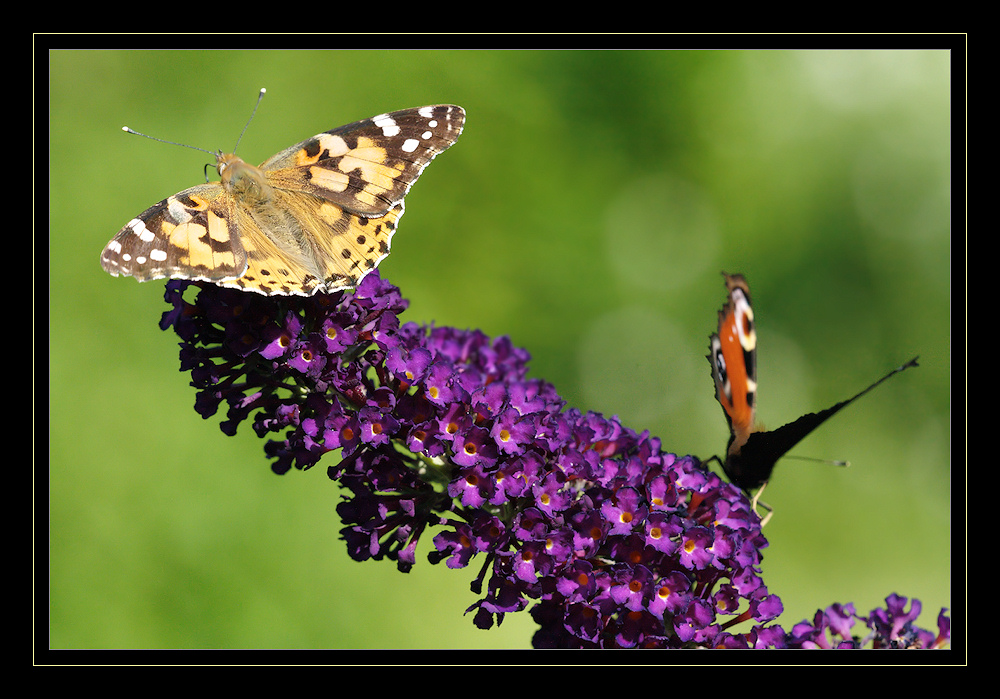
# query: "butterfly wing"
368,166
190,235
342,191
733,356
752,466
325,249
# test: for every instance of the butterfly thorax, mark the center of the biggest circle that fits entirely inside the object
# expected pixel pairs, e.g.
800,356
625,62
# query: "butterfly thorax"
244,181
249,186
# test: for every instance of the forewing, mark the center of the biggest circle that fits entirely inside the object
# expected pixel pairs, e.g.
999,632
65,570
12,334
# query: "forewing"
368,166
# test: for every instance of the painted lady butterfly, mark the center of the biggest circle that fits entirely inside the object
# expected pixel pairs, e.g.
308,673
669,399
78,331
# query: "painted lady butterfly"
752,453
316,217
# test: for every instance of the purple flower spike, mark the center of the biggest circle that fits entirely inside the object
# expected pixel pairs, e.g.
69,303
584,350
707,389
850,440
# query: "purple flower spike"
609,540
888,628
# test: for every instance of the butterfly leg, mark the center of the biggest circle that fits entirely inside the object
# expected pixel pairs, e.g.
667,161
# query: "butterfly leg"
756,501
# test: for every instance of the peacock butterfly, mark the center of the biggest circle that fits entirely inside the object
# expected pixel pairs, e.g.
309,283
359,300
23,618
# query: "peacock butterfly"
752,453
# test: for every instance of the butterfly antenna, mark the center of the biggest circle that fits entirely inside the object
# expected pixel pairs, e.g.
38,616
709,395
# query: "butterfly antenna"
161,140
259,98
830,462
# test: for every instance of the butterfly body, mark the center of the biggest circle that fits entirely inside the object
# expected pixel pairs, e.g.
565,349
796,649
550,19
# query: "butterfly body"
316,217
752,452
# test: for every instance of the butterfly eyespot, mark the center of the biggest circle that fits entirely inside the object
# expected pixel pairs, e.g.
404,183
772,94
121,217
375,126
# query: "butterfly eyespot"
720,366
744,320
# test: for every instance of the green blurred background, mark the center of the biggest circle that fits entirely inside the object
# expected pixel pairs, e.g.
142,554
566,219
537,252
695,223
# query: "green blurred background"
586,211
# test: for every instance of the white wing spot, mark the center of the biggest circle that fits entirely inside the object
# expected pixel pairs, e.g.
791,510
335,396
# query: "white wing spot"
426,134
158,255
410,145
386,123
139,228
178,211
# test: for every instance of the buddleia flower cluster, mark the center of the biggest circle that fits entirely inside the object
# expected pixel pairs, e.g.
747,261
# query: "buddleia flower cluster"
891,627
442,440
